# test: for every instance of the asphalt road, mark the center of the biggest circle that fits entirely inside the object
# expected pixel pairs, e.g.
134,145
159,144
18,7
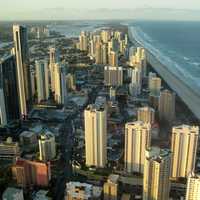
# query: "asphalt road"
66,152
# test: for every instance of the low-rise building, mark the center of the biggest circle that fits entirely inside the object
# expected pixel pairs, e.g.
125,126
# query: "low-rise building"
9,149
82,191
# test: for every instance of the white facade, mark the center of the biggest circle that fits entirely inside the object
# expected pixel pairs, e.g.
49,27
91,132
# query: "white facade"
54,58
136,82
47,147
157,168
146,114
137,140
184,147
95,136
155,86
166,106
60,84
193,187
113,76
21,54
42,80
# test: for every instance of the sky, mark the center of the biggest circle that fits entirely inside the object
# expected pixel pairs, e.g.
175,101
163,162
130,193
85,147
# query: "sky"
66,9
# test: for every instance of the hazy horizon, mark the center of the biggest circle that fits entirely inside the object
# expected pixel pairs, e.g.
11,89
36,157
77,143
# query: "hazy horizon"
105,9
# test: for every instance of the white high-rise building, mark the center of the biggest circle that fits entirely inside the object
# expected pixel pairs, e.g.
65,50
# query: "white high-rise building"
98,53
105,36
47,147
23,73
136,82
157,168
184,147
146,114
113,59
166,106
137,140
83,41
42,80
54,58
150,76
193,187
113,76
95,136
155,86
60,84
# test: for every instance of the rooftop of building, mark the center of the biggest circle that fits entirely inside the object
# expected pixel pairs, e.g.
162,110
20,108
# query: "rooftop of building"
76,189
113,178
27,134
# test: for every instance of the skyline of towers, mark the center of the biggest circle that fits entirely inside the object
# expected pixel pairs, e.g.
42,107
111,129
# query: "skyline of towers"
184,147
9,109
95,136
156,179
42,80
23,72
137,140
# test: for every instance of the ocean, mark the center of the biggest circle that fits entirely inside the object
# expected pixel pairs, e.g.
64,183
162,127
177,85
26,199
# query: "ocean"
175,44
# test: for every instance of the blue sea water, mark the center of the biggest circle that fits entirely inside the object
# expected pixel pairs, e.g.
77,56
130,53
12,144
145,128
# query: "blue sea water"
176,44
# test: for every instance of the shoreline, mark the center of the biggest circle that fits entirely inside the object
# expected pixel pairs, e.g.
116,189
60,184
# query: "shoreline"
182,89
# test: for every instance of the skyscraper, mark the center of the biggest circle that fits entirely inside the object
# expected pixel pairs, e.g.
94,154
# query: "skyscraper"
60,83
155,86
23,71
193,187
105,36
166,106
184,148
157,168
113,59
95,136
146,114
113,76
104,50
136,82
98,53
54,58
137,140
47,147
9,107
83,41
42,80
